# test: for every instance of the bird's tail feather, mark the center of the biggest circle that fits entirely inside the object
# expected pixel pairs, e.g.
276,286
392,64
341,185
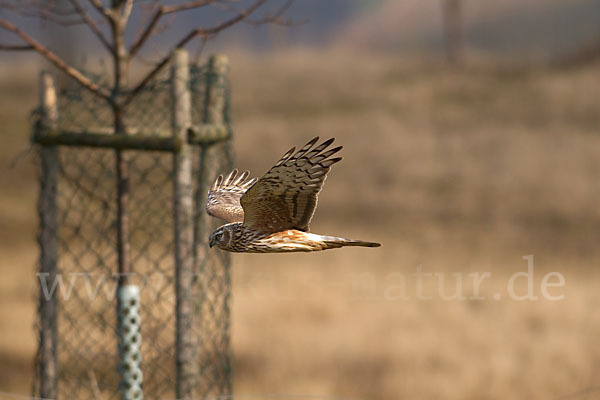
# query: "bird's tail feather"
334,242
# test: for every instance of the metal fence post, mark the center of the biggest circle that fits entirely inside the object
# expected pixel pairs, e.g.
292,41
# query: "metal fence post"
214,159
211,156
48,237
186,371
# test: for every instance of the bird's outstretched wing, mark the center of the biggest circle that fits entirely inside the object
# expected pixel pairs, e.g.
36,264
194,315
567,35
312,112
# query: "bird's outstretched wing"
286,196
224,196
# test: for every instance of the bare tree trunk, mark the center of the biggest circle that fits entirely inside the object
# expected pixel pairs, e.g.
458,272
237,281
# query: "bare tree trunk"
452,14
121,65
122,167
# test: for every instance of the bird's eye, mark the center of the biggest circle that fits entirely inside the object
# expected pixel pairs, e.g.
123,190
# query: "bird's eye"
219,236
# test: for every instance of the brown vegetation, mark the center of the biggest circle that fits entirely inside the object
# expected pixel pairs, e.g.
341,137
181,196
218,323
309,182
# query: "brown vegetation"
457,171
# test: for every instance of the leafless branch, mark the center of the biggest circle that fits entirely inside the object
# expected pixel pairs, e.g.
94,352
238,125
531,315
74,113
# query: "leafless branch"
163,10
126,10
101,9
61,13
200,49
37,8
203,32
46,14
53,58
272,18
91,24
118,15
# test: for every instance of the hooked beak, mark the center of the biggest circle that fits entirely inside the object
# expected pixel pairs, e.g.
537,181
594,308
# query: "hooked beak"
211,243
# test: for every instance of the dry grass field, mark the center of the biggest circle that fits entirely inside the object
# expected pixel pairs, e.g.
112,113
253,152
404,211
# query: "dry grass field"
456,171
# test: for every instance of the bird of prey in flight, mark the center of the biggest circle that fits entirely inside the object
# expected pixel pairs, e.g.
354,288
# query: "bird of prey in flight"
272,214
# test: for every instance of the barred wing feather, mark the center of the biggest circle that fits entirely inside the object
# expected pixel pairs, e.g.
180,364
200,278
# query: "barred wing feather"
286,196
224,196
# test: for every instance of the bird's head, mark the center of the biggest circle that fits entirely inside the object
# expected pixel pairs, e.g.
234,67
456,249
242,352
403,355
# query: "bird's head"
221,237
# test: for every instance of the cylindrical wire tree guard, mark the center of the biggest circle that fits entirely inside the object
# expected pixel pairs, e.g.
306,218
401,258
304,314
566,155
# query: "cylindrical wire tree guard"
130,340
178,135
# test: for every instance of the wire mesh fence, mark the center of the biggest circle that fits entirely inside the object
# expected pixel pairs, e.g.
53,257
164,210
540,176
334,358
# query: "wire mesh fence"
86,343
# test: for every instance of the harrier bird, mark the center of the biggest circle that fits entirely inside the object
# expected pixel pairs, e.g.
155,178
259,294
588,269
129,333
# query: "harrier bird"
271,214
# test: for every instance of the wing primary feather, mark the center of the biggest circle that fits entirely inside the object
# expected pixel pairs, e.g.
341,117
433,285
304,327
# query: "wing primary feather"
217,182
305,148
285,157
317,159
329,162
231,177
242,177
251,182
320,148
224,197
286,196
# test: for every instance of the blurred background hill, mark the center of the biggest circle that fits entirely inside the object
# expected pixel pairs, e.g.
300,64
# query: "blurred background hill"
519,28
525,29
458,169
